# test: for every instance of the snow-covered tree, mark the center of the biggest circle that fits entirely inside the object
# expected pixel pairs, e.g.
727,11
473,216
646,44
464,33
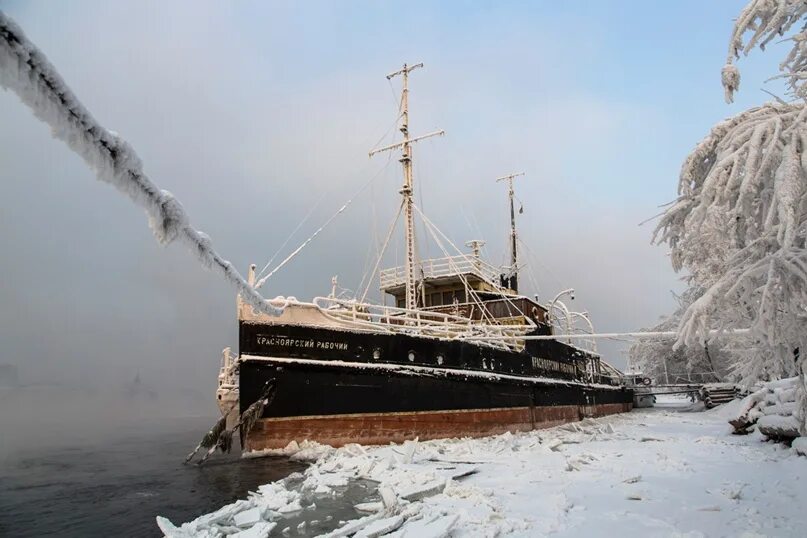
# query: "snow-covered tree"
739,225
660,359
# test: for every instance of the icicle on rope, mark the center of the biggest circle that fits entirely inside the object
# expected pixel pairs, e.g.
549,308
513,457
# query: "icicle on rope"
210,440
223,439
255,411
26,71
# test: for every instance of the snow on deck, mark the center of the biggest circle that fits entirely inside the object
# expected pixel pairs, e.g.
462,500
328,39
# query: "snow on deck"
652,472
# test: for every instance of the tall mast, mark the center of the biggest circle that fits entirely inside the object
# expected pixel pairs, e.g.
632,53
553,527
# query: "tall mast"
513,279
407,190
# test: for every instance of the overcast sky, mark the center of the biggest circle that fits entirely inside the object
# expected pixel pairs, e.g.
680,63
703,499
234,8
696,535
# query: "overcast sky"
253,113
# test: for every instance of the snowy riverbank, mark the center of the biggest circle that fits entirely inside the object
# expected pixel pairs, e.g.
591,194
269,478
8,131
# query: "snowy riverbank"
656,472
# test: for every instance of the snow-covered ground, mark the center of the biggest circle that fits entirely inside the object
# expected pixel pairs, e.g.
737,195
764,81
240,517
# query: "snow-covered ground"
656,472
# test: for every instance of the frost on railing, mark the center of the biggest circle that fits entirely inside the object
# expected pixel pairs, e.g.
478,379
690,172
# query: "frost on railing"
392,319
441,267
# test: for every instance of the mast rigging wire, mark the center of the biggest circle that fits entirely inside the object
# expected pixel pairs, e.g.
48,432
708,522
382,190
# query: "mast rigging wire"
498,288
383,249
286,242
468,290
341,210
389,159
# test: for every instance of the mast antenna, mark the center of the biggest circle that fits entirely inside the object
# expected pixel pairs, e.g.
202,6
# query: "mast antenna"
407,190
511,280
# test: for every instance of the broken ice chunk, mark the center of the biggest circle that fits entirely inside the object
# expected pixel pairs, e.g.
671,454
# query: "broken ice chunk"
420,491
293,506
439,527
388,497
259,530
370,507
247,518
380,527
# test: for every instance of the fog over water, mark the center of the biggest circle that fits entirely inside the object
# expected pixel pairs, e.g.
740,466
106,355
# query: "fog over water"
252,114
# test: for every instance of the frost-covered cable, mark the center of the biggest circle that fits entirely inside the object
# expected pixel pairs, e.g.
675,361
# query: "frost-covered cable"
432,229
296,251
381,253
341,210
436,230
291,235
26,71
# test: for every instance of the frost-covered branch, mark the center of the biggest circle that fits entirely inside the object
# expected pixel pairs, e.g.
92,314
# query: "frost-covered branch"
26,71
765,20
739,222
660,358
739,226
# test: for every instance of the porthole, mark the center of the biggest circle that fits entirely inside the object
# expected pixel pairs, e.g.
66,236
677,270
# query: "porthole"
377,353
439,359
359,352
411,356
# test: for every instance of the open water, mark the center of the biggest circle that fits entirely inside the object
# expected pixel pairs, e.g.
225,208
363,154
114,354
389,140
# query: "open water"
116,484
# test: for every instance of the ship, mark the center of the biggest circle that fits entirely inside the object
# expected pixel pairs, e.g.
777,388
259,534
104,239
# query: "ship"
459,353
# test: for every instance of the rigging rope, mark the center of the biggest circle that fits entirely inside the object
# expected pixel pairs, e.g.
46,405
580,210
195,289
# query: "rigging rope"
286,242
389,160
381,254
499,289
468,290
296,251
537,261
528,266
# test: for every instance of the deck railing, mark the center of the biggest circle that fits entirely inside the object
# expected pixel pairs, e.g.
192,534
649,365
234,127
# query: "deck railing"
440,267
420,322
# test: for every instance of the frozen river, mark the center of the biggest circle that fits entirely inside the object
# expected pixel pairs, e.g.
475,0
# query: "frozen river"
667,471
115,484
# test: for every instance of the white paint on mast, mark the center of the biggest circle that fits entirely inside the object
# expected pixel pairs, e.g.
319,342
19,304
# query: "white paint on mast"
407,190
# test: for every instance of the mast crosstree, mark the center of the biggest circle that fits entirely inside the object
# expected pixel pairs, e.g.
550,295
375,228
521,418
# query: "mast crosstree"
407,190
512,279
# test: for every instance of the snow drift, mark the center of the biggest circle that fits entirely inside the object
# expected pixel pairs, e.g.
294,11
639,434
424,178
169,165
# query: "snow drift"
26,71
772,409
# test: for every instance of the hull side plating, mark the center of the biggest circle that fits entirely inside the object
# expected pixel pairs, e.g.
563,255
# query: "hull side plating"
336,402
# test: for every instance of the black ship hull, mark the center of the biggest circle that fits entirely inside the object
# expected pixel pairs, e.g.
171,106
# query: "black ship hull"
337,386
